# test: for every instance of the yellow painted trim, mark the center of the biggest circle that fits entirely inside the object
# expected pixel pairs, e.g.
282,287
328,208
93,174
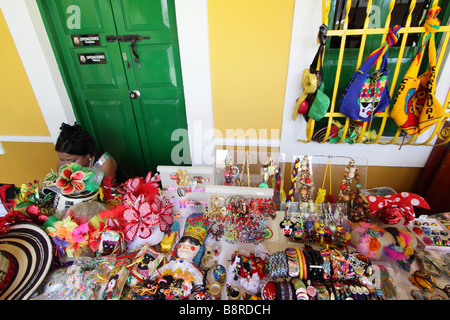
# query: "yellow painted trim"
21,114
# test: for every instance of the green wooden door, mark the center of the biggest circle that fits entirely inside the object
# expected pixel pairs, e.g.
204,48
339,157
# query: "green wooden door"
156,74
99,69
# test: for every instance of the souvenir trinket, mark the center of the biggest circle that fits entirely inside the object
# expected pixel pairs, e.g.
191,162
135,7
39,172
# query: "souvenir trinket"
110,243
233,292
306,183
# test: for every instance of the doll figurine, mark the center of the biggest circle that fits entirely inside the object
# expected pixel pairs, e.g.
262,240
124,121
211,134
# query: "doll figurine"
188,253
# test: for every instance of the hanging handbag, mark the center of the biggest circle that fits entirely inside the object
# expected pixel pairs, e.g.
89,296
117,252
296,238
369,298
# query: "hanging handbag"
313,102
416,108
367,95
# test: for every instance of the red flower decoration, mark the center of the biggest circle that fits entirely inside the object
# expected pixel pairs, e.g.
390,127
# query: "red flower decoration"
4,226
70,181
141,215
138,218
139,186
164,211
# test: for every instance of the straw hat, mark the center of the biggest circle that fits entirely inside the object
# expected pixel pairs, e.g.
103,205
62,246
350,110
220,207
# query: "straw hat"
25,259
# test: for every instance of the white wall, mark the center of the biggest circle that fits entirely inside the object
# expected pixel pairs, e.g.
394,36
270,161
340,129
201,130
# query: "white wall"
192,24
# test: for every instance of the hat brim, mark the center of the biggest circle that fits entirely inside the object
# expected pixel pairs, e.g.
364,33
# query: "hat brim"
30,249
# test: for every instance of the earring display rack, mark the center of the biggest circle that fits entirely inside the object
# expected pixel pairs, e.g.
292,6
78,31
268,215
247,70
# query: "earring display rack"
244,168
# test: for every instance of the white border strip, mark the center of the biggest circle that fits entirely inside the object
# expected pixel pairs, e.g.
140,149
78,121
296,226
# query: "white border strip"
274,143
193,39
44,139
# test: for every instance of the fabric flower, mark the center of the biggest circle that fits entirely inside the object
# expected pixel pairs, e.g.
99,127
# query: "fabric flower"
4,227
63,229
374,244
139,218
164,213
139,186
69,180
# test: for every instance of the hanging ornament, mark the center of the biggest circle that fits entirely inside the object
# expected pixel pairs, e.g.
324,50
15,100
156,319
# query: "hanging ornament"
305,181
357,205
294,174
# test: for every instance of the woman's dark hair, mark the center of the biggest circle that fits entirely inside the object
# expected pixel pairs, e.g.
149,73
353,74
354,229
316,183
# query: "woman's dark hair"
75,140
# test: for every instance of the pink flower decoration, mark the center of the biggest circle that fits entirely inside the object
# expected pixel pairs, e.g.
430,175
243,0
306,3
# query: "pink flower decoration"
164,211
138,218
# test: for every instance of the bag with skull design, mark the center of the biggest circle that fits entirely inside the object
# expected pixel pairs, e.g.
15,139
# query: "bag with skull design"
366,94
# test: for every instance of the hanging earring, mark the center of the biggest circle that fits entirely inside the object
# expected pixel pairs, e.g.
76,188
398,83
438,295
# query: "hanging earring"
357,206
322,192
345,187
305,180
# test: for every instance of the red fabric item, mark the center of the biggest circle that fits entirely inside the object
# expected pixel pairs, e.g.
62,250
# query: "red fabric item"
404,201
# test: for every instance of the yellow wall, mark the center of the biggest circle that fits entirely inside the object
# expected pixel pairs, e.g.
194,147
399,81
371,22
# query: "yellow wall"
249,52
26,162
20,111
20,115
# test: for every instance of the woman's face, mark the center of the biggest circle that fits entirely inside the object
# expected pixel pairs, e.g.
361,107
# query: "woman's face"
65,158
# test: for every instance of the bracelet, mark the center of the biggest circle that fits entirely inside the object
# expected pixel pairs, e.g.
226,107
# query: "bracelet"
316,266
182,177
291,291
322,292
299,289
293,262
305,266
300,262
308,262
285,290
278,266
280,291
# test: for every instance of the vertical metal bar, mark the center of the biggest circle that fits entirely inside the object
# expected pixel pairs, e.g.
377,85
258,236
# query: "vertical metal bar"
399,61
360,57
440,123
364,36
441,134
311,123
385,113
338,74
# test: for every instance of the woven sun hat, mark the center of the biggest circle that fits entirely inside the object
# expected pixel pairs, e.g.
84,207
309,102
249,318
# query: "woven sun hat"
25,259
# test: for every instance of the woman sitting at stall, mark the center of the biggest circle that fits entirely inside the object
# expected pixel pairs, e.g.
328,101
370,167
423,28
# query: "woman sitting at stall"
76,145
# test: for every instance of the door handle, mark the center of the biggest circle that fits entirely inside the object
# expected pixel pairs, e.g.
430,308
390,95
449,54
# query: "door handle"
135,94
